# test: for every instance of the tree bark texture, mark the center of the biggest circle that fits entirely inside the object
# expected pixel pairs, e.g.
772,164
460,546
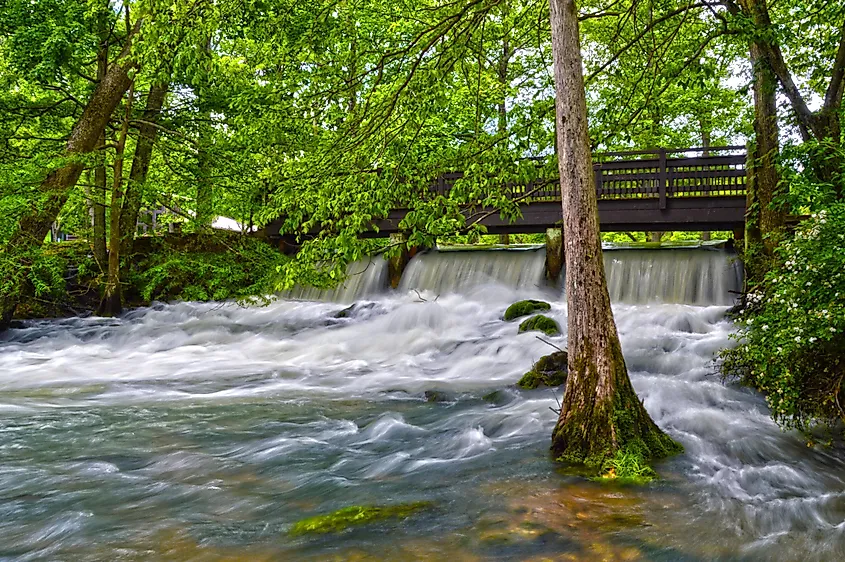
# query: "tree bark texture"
600,413
98,201
54,190
147,134
112,303
823,125
704,126
764,222
205,186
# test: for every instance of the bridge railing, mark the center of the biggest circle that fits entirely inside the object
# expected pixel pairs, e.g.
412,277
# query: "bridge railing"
664,173
644,174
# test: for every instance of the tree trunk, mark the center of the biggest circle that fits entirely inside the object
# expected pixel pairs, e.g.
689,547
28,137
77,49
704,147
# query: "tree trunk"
205,187
705,145
504,63
53,191
98,201
600,413
764,223
147,133
823,125
98,206
112,303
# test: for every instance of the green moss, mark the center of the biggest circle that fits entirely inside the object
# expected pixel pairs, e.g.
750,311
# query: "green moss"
615,438
627,466
540,323
341,519
549,370
524,308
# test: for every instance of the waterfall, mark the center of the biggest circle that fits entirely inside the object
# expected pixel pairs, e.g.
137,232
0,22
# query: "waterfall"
453,271
365,278
698,276
701,276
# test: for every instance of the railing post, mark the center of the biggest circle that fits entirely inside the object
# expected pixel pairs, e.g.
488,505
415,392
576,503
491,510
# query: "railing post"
661,182
597,179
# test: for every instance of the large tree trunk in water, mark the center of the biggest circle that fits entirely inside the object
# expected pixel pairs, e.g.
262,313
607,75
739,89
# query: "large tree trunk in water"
147,133
53,191
764,223
705,145
112,303
600,413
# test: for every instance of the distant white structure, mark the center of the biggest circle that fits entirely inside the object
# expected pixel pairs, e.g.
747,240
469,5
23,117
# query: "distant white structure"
220,223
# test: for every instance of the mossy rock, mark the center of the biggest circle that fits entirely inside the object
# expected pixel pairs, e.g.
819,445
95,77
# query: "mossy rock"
342,519
549,370
524,308
540,323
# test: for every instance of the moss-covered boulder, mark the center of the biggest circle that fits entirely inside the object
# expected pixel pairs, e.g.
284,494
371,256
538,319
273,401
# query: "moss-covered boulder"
342,519
524,308
540,323
549,370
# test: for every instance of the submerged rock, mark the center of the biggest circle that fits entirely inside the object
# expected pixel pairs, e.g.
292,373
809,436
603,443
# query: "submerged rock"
540,323
355,515
549,370
524,308
438,396
354,310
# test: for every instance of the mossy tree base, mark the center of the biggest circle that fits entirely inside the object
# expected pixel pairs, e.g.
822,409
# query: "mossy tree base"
594,429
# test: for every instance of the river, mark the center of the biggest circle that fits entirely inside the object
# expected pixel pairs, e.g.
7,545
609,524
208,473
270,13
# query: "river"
205,431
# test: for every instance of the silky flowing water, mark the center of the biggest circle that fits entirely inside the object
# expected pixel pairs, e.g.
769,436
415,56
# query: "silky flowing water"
205,431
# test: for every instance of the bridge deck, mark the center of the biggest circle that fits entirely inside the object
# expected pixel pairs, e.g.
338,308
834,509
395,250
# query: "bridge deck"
636,191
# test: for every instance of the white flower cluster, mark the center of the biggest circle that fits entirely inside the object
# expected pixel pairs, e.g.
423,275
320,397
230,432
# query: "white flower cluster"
754,297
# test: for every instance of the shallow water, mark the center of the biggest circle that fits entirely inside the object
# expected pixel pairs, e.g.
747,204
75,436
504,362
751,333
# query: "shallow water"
203,432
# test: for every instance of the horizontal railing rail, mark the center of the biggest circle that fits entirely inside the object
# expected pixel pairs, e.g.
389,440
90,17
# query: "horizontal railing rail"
718,171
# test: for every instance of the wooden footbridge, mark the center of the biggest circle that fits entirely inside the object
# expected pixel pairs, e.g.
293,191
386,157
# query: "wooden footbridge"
693,189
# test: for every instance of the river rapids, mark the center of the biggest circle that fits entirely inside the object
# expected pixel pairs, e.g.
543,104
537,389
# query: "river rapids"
205,431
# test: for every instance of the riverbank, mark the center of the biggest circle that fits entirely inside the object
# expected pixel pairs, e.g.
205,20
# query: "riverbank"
218,266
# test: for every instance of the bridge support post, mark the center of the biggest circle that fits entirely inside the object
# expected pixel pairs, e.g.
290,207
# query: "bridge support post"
554,254
396,264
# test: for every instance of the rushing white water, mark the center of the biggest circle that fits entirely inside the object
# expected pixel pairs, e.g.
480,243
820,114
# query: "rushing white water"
202,431
676,275
451,271
365,278
637,276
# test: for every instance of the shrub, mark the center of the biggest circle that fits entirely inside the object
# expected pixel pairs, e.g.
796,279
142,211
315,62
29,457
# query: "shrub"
792,330
207,267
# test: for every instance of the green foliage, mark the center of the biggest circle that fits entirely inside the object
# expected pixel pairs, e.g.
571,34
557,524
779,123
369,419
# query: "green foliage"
628,466
791,339
207,267
342,519
540,323
674,237
524,308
